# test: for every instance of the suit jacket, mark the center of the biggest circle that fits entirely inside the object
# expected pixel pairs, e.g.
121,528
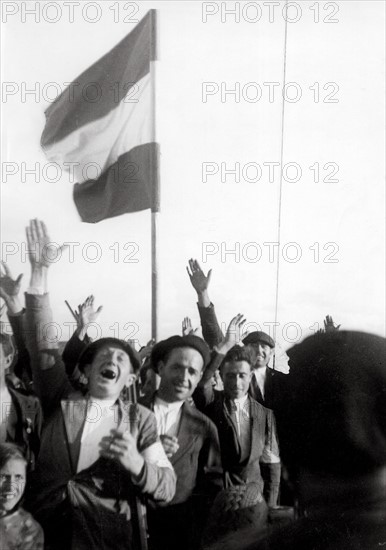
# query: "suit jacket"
197,463
262,435
274,389
211,330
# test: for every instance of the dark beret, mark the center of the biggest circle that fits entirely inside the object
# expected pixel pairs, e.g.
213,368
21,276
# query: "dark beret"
259,337
163,348
92,349
333,418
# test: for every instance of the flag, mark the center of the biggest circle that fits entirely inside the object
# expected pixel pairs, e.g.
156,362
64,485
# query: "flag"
101,129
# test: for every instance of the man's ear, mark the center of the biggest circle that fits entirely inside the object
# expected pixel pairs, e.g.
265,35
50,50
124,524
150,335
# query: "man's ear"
131,378
160,367
87,371
8,360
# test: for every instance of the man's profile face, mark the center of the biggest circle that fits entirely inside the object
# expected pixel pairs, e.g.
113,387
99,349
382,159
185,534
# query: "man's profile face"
110,371
261,354
236,377
180,374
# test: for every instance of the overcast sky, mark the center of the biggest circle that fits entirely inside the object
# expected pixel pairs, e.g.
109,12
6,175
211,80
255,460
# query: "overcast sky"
332,244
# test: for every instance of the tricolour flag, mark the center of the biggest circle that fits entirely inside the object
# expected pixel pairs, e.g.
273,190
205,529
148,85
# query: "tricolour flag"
101,129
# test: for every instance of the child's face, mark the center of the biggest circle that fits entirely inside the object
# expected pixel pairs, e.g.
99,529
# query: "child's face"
12,483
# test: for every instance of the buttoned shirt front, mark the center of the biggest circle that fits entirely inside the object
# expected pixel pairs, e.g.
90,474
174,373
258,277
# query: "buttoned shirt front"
168,416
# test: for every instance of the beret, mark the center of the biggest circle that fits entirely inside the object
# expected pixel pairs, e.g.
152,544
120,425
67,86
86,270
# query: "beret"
161,349
237,511
333,418
92,349
259,337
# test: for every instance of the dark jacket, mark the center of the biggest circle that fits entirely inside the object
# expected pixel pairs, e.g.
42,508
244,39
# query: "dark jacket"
22,365
236,470
275,388
211,330
25,428
197,464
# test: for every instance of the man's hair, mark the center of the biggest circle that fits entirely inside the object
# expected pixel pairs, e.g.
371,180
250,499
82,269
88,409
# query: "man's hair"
143,371
6,342
92,349
10,451
237,353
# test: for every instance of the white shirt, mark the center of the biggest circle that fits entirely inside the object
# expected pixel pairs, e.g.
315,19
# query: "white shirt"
260,376
168,416
101,418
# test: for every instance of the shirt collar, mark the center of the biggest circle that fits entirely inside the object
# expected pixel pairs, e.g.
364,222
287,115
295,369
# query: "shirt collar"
241,402
102,403
169,406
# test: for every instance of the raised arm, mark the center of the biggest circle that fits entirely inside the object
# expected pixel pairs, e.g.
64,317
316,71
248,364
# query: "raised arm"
50,380
204,393
211,330
85,316
10,292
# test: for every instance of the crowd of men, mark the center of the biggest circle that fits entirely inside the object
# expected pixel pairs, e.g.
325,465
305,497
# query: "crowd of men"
191,443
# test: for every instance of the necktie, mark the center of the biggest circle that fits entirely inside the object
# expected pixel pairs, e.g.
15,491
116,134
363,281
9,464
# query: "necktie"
245,432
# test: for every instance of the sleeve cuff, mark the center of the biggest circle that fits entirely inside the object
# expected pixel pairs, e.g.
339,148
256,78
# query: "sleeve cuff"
140,479
211,306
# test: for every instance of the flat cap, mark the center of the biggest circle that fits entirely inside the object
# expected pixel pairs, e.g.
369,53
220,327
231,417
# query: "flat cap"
161,349
259,337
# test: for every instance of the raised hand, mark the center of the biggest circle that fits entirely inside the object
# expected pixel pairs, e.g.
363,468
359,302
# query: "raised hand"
41,251
38,241
145,351
233,333
10,288
86,313
187,327
199,280
329,325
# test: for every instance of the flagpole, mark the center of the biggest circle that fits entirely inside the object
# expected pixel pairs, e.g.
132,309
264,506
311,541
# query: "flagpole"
154,276
156,202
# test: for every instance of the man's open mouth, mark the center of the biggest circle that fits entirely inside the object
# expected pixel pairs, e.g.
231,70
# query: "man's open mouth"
8,496
109,374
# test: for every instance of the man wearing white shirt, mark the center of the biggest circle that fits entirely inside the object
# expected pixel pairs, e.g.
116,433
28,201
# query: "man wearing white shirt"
244,425
98,453
190,440
267,388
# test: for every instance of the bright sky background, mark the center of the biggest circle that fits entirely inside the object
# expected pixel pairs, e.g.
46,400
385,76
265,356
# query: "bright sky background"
349,133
